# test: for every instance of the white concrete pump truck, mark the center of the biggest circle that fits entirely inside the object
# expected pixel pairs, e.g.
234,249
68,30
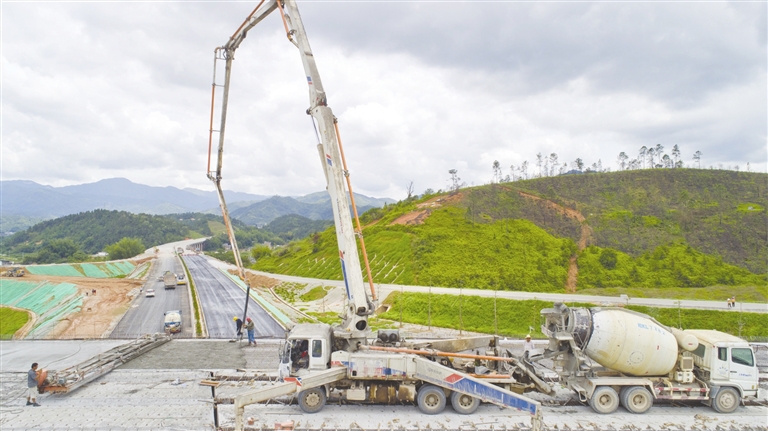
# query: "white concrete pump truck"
320,360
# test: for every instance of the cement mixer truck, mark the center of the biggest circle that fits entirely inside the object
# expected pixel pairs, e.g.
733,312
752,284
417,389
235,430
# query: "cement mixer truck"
614,356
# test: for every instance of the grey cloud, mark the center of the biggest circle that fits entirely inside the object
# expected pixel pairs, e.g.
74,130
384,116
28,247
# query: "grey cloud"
122,89
674,51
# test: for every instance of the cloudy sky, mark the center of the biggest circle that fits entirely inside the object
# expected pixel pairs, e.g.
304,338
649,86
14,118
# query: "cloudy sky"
95,90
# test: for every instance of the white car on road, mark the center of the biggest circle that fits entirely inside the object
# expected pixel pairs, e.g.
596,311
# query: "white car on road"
150,293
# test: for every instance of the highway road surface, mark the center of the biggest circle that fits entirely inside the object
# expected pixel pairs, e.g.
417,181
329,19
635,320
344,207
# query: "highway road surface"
146,315
221,299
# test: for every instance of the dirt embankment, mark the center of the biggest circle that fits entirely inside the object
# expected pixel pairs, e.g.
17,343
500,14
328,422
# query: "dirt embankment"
255,280
584,239
425,209
100,309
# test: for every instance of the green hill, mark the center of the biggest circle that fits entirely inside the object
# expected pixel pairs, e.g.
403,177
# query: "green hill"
717,212
292,226
73,237
650,228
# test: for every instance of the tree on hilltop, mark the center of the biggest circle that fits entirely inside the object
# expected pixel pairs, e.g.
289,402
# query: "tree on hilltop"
125,248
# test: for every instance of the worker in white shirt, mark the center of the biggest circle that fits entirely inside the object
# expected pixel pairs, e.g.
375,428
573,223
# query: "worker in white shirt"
527,346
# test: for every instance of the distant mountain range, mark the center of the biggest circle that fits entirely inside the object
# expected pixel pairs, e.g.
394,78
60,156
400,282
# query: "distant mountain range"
25,203
315,206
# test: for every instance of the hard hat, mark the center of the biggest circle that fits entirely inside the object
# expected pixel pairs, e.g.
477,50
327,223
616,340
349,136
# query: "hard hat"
528,336
234,318
248,319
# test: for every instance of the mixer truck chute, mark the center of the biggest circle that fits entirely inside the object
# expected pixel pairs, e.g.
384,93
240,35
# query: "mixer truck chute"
614,356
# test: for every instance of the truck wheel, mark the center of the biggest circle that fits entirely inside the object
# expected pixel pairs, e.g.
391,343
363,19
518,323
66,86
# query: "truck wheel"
312,400
431,400
464,404
604,400
636,399
727,400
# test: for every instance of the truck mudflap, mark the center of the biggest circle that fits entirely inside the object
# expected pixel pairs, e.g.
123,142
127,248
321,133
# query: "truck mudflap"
457,381
291,385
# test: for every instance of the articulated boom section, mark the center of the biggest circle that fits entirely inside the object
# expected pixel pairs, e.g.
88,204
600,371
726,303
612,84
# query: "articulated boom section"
331,159
355,324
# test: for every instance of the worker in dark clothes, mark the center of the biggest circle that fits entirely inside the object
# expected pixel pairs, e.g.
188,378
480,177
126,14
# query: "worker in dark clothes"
239,324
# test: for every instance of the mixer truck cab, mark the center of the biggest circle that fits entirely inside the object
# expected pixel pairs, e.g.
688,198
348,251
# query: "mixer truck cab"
726,361
172,321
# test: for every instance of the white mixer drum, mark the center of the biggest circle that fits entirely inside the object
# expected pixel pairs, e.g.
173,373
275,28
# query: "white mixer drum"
631,344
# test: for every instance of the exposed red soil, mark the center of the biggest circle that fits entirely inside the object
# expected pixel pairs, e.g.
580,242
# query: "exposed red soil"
425,209
584,239
258,280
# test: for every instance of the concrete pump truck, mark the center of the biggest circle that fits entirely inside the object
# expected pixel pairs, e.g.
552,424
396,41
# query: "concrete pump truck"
348,361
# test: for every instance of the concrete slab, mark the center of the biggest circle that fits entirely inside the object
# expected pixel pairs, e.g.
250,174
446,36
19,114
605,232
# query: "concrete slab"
120,400
18,356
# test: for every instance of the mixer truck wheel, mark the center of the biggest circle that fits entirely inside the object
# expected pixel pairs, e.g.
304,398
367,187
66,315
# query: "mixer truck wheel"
727,400
312,400
604,400
636,399
431,400
464,404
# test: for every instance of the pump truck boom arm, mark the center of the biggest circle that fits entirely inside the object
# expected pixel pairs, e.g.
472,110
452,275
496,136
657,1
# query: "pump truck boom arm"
331,159
329,149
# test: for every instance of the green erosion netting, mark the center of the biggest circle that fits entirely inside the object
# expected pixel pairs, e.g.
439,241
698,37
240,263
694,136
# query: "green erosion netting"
125,266
49,301
58,270
47,321
93,270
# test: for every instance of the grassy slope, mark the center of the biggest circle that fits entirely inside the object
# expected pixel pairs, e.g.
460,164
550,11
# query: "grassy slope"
11,321
447,250
515,318
644,223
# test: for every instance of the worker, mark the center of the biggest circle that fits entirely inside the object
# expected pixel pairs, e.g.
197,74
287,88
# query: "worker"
527,346
32,375
239,325
251,328
304,354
